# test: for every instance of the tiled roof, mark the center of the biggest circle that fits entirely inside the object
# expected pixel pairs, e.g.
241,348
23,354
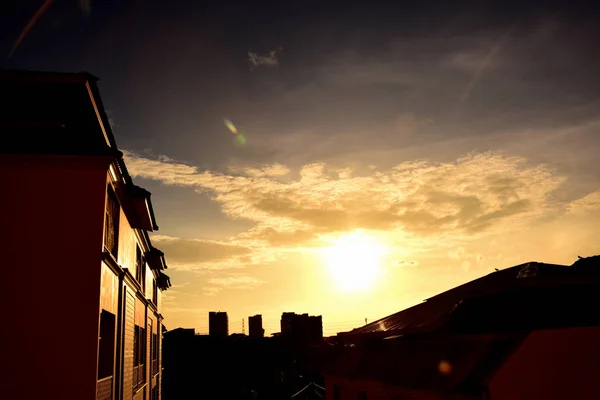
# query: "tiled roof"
435,311
46,113
455,341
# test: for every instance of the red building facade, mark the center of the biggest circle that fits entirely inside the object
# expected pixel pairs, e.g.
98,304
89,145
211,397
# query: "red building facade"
84,319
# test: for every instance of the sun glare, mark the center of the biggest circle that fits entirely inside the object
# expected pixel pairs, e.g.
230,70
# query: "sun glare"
354,261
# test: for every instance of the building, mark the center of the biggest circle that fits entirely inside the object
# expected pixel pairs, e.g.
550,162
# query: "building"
526,332
218,323
235,367
301,328
255,328
315,328
83,309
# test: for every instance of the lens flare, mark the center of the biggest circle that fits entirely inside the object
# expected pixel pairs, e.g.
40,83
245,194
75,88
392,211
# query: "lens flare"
444,367
230,126
38,14
239,140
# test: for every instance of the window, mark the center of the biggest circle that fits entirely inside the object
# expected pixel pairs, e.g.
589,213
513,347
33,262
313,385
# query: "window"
154,393
336,393
111,222
140,268
154,292
154,351
362,395
106,345
139,356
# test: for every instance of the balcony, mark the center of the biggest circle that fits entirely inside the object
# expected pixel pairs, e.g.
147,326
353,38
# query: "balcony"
104,388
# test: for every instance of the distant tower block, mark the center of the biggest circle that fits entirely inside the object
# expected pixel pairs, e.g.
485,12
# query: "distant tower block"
301,328
218,323
255,328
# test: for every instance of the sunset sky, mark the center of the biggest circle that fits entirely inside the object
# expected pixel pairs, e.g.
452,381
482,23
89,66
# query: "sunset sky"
382,155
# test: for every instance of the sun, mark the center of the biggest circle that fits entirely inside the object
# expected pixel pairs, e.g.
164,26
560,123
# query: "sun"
354,261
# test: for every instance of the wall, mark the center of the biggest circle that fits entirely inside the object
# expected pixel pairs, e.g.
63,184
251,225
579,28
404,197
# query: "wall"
109,291
149,279
52,222
140,313
552,364
128,345
135,309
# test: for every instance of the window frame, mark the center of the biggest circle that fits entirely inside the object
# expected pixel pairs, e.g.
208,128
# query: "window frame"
153,362
154,292
106,344
140,267
139,356
112,215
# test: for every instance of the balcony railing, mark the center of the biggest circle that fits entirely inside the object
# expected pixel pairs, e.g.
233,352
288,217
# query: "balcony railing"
104,388
139,375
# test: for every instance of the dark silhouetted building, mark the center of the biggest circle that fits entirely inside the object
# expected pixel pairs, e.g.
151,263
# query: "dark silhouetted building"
301,328
218,323
255,326
526,332
238,367
78,239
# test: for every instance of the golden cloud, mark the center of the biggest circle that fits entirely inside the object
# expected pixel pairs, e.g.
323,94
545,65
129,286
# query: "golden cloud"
231,281
585,205
475,194
199,254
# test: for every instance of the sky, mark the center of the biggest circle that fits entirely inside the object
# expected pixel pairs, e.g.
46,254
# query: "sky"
345,160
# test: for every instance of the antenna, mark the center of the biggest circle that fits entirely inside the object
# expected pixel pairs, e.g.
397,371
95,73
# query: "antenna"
243,327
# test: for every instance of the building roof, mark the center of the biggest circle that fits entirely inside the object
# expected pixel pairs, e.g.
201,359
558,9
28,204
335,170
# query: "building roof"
163,281
46,113
156,259
532,282
180,332
58,113
455,341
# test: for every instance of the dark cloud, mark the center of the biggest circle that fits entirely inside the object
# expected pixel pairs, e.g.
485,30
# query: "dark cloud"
263,60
